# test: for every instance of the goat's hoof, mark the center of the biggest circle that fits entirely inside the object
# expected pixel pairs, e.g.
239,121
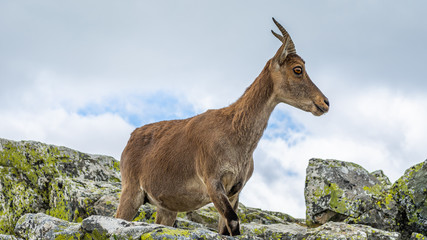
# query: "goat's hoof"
235,228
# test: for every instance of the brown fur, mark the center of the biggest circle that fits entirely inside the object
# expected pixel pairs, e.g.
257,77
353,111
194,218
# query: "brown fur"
182,165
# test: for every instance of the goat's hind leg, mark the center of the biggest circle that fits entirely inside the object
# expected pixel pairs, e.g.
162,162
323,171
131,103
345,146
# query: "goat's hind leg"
165,217
130,201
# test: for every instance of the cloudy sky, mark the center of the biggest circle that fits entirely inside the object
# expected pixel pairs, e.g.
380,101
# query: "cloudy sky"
84,74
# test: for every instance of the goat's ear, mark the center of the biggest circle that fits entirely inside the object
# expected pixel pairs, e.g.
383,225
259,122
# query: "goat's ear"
280,56
284,53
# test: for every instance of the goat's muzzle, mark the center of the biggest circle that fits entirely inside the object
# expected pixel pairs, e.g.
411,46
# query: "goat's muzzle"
321,106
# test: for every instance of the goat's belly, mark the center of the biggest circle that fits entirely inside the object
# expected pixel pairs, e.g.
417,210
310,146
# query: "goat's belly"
184,197
184,203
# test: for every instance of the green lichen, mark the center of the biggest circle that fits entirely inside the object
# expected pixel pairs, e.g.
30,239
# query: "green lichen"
61,210
277,236
166,233
181,214
36,177
95,235
259,232
409,192
146,214
207,215
25,174
116,166
383,197
418,236
337,200
376,189
75,236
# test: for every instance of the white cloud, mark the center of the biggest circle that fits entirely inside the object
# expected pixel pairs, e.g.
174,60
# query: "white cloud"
104,134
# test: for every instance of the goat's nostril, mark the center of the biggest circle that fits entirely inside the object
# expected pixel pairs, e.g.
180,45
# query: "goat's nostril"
326,102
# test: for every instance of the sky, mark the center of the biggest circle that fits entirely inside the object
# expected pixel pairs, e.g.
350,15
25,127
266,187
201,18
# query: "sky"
85,74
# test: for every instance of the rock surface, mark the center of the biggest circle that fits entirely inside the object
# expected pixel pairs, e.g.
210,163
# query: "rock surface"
41,226
51,192
346,192
410,191
64,183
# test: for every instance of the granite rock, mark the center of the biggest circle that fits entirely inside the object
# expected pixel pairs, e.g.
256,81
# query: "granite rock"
343,191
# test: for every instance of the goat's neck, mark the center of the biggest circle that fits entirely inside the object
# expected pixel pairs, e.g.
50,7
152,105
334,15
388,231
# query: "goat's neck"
253,109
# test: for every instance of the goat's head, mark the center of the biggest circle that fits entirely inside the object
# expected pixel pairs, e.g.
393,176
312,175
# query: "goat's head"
291,81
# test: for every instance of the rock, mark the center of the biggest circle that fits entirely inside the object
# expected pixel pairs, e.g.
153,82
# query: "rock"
74,200
8,237
343,191
208,216
64,183
410,191
274,231
116,228
330,230
41,226
343,231
379,174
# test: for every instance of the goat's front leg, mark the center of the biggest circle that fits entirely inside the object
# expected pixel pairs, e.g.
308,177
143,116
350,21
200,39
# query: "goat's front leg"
221,225
217,194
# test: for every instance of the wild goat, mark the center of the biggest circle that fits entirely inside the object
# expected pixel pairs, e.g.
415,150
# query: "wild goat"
182,165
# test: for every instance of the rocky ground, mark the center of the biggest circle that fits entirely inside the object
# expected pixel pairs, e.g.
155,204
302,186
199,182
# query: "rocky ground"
51,192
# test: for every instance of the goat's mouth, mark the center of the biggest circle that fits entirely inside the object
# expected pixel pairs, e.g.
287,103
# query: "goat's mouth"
319,110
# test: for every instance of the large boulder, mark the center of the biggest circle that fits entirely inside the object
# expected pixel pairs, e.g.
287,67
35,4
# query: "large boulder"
64,183
410,191
344,191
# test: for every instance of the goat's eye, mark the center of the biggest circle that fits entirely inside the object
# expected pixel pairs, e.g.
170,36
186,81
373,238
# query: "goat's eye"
297,70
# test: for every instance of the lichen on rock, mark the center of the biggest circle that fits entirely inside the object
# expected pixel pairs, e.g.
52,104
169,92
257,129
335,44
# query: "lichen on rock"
41,226
342,191
410,191
37,177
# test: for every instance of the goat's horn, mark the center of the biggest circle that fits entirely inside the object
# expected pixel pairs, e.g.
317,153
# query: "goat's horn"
278,36
285,39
